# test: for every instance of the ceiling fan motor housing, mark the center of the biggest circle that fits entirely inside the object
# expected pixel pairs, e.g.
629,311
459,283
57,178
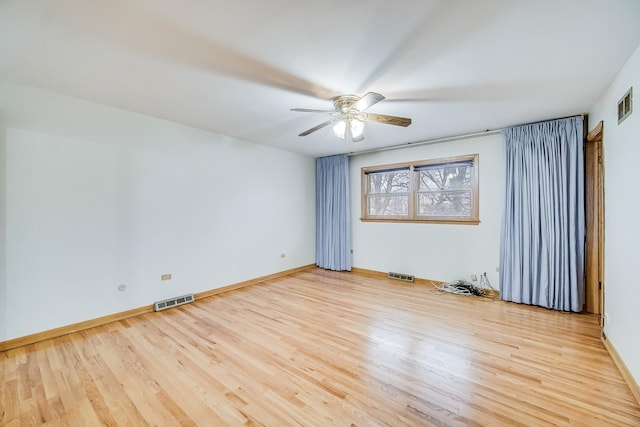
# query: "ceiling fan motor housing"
343,103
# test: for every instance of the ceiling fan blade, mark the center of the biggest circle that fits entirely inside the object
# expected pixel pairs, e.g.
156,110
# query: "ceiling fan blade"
367,101
318,127
311,110
387,120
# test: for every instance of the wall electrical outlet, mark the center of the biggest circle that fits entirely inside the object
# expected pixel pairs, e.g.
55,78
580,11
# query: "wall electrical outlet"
122,287
165,277
283,255
474,277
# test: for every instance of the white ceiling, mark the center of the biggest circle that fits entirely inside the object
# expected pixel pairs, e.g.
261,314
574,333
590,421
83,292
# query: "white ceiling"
237,67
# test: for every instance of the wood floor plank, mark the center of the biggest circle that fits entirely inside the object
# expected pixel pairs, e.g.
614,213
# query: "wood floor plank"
320,348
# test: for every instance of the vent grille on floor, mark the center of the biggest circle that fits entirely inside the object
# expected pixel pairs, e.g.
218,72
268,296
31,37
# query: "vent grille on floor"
173,302
401,276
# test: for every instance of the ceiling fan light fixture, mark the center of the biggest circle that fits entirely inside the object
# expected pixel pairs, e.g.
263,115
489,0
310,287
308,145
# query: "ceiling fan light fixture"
339,129
357,127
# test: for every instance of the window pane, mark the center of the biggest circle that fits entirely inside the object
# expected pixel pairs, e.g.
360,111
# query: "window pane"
445,203
388,205
389,182
452,177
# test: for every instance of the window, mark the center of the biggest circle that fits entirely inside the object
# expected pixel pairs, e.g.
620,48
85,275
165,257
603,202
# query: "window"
440,190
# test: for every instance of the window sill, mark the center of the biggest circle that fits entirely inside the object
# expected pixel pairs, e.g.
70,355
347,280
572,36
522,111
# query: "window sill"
424,221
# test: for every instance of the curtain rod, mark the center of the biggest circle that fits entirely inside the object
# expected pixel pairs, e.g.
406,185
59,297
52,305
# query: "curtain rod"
425,142
451,138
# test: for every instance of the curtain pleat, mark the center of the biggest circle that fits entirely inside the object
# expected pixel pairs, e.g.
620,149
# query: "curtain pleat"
542,245
333,218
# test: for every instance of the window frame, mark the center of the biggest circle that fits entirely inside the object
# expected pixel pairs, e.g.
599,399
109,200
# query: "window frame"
412,215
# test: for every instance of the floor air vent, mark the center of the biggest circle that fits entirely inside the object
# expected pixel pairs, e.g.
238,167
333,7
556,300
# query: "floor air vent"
173,302
401,276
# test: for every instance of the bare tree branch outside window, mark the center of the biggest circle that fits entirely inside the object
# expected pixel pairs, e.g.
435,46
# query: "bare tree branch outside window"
389,193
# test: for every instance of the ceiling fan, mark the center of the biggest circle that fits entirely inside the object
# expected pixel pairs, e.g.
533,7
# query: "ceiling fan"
349,116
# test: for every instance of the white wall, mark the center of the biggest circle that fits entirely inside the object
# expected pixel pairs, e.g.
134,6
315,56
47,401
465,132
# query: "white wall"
434,251
95,197
622,204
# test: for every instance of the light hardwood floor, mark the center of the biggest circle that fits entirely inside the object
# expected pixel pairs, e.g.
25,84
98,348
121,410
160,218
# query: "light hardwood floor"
323,348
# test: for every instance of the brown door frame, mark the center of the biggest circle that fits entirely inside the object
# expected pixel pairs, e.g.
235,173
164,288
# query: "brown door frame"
594,222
